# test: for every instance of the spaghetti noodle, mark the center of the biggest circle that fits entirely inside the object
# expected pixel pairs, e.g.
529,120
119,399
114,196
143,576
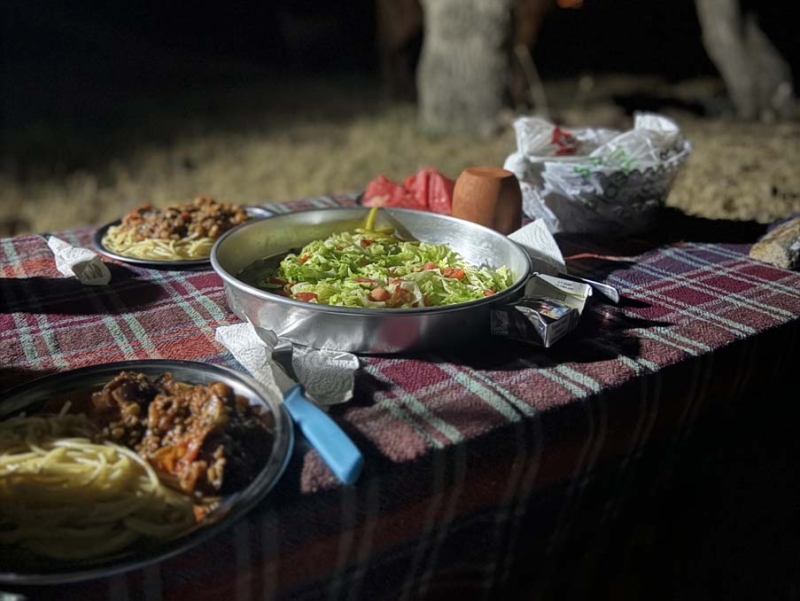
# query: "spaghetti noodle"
123,242
64,496
183,232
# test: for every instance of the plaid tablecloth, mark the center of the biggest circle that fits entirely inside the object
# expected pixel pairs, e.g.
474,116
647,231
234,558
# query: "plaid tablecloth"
486,467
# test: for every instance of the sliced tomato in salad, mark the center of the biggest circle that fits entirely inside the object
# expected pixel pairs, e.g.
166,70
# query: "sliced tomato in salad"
453,272
380,294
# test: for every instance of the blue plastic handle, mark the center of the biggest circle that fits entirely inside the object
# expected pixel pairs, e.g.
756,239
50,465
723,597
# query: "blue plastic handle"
330,441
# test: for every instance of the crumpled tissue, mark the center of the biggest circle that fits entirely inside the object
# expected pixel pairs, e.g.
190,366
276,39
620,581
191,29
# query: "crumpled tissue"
547,260
84,264
328,376
594,180
541,247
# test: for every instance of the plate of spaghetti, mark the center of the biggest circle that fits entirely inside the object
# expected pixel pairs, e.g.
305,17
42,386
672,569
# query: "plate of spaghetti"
180,235
109,468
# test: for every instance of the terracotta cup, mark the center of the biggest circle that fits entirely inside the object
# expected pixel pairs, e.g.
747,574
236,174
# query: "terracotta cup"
489,196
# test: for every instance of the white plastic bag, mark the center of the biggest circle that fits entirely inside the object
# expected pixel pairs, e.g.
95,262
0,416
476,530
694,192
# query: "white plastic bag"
598,181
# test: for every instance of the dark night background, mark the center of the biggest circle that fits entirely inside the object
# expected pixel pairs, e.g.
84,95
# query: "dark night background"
76,61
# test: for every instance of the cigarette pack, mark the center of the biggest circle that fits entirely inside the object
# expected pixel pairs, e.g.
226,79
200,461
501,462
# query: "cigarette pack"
550,309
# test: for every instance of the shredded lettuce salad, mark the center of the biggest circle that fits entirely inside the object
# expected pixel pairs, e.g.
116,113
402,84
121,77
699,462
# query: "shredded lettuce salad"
373,268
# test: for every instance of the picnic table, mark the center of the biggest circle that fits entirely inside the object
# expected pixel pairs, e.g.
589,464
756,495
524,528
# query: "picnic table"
621,457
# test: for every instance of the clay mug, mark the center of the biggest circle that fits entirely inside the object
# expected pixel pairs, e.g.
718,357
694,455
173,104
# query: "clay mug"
489,196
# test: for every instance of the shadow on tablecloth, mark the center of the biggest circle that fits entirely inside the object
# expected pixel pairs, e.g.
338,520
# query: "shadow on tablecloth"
67,296
672,226
20,376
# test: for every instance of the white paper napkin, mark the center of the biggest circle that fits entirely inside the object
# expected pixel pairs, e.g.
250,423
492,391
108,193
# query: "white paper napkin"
541,247
328,376
84,264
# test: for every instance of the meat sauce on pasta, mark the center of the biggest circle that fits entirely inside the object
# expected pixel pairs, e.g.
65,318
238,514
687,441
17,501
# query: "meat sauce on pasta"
140,459
180,232
204,439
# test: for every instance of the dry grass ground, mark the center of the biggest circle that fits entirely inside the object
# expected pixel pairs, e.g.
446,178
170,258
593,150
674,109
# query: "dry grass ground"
263,142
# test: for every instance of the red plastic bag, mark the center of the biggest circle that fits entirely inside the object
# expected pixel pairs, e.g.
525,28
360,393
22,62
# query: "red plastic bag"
426,190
